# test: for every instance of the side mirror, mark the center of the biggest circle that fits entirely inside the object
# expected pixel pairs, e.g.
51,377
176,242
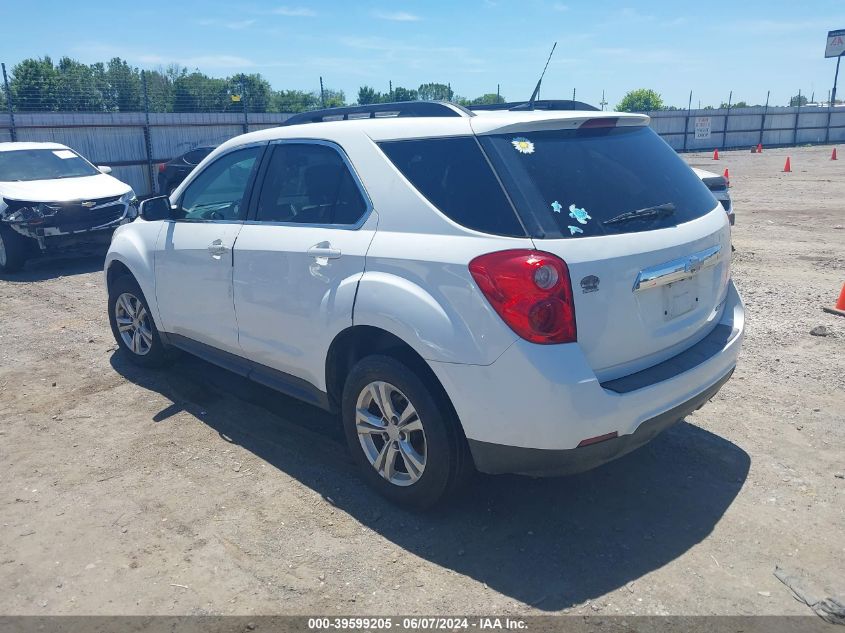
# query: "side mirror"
153,209
105,169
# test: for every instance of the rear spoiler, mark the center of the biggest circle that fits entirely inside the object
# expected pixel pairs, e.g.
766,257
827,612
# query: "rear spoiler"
538,121
559,105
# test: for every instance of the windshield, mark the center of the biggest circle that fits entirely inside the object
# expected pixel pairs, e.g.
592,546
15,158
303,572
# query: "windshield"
575,181
43,164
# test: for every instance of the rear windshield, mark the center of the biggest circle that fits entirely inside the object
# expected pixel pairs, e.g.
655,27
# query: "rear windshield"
575,181
43,164
454,175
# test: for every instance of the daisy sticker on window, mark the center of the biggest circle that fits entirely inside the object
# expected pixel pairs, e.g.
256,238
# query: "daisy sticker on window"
523,145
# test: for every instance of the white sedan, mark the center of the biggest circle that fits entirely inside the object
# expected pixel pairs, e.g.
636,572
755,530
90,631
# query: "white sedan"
719,187
53,199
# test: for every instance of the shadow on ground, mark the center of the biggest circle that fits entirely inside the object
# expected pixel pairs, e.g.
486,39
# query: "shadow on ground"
44,268
550,543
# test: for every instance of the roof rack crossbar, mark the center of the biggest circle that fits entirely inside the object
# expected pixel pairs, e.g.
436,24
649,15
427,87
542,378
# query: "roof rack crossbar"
380,110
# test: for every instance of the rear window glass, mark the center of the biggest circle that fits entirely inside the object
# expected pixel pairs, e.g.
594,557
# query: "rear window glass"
576,181
454,176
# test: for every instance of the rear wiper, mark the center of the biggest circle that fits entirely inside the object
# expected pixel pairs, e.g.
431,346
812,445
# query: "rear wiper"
657,211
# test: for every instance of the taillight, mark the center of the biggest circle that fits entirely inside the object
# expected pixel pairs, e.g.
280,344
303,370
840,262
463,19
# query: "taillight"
162,167
531,291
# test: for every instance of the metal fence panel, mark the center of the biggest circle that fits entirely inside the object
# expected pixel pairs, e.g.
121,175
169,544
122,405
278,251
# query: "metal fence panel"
118,139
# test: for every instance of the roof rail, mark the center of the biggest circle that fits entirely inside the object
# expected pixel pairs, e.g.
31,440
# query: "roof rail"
379,111
548,104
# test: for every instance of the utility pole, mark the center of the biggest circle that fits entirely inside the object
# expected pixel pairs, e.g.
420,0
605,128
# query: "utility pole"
13,132
686,121
765,112
498,94
244,106
603,102
573,94
147,137
322,93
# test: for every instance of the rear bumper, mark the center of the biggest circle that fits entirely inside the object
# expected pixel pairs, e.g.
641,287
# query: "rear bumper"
529,411
496,458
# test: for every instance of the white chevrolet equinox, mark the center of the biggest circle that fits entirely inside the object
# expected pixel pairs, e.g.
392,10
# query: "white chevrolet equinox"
517,291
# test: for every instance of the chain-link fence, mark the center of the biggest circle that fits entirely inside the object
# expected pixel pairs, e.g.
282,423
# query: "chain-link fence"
132,120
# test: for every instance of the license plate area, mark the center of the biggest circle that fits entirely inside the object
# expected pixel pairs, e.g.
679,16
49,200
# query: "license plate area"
679,298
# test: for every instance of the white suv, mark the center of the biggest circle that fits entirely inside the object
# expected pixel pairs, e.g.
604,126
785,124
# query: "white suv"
529,292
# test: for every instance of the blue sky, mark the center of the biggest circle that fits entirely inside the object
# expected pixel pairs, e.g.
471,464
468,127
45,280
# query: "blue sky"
709,47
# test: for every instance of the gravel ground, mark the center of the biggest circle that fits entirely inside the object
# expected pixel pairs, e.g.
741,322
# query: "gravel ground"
191,491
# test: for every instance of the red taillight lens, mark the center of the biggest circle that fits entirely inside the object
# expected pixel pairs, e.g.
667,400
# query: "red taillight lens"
531,291
162,167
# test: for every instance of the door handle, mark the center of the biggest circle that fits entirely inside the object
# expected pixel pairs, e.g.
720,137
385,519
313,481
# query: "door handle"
324,250
217,249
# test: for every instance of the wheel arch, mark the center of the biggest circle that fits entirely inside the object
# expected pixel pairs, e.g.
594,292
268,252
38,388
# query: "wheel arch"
359,341
130,254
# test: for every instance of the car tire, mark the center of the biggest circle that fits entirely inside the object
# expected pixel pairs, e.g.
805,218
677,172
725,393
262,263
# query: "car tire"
13,250
132,325
414,459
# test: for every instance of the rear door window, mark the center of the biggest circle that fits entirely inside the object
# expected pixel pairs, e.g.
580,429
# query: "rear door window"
309,183
454,176
575,182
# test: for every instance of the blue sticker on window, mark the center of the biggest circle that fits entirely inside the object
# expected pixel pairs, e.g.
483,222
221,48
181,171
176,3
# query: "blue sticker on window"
557,206
574,229
580,215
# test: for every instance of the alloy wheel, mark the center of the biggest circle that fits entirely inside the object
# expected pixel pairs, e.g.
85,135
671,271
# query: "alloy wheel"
391,433
133,324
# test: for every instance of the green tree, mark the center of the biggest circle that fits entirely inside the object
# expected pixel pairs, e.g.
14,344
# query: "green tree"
255,89
333,98
739,104
123,86
640,100
404,94
33,85
798,100
435,92
197,92
295,101
76,88
159,90
488,99
368,95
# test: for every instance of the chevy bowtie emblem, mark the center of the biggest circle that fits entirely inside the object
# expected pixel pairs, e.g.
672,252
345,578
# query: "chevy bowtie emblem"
88,204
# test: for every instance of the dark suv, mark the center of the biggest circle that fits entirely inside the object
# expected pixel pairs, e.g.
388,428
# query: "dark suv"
173,172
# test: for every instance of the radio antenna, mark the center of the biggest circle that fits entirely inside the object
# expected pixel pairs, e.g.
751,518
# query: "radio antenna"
536,92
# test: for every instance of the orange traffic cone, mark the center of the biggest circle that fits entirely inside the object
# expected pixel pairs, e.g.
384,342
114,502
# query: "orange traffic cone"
728,177
839,308
787,167
833,154
715,154
759,148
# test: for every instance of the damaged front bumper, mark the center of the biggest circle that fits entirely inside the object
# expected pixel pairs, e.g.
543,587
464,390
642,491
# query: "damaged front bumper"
55,225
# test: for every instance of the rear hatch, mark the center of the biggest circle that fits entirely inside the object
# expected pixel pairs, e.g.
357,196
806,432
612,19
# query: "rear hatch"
647,245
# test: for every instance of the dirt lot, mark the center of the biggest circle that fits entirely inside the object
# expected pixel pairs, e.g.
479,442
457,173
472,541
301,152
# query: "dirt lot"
193,492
